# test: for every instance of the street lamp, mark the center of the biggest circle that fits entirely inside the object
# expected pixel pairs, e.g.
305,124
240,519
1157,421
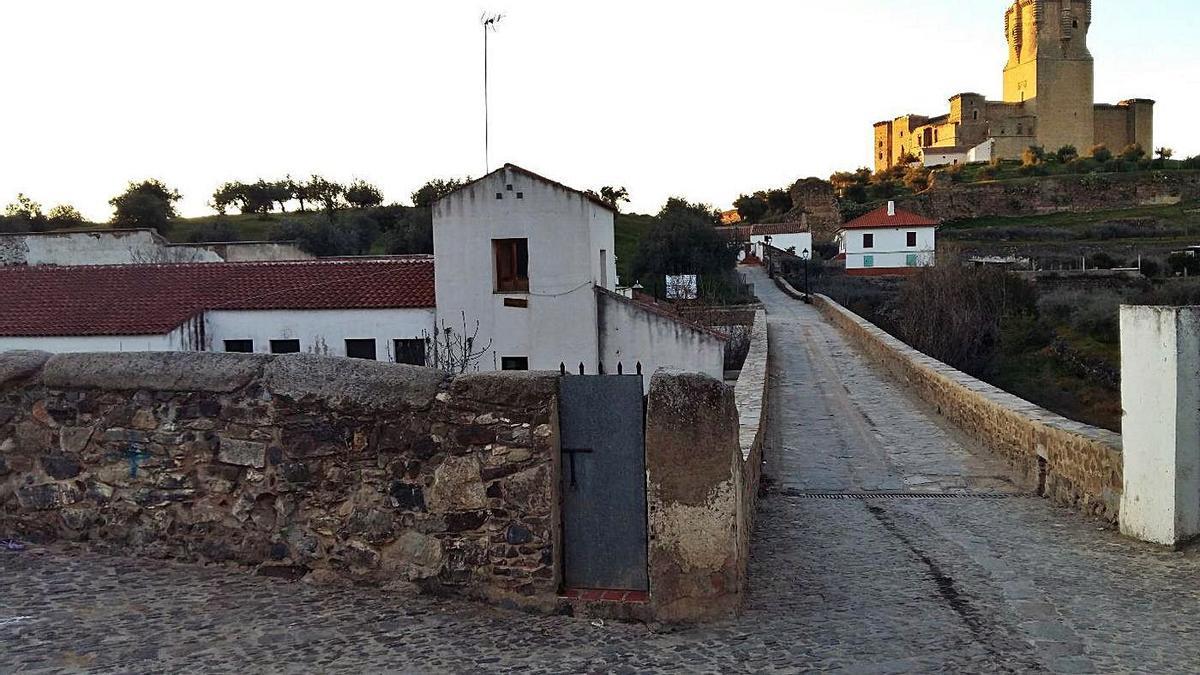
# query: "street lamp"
805,255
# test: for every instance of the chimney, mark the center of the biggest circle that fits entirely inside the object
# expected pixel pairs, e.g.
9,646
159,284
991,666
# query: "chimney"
891,209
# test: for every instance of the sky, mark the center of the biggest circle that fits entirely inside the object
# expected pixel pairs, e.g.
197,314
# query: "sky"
703,99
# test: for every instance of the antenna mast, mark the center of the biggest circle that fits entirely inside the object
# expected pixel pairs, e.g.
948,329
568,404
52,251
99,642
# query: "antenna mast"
489,25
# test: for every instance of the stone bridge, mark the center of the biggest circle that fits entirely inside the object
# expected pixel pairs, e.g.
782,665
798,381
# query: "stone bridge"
955,568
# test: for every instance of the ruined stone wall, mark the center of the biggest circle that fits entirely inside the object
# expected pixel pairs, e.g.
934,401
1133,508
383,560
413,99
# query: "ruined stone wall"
1038,196
1070,462
298,465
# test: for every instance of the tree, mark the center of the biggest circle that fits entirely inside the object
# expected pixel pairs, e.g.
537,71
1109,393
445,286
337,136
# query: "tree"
1066,154
1033,155
906,158
280,192
1192,163
613,196
24,215
227,195
751,208
779,201
327,192
916,178
683,240
435,189
362,195
301,192
1101,153
1133,152
149,204
64,216
1164,153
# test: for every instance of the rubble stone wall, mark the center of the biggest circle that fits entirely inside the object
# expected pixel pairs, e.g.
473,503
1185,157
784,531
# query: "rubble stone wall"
298,465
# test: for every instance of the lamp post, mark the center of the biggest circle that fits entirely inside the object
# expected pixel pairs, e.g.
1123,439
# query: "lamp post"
805,255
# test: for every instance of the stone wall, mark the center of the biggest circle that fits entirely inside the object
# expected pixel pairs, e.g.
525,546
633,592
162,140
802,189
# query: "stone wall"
298,465
704,462
1070,462
1054,194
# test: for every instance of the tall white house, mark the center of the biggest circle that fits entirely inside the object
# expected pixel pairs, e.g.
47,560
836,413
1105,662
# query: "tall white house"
531,262
888,242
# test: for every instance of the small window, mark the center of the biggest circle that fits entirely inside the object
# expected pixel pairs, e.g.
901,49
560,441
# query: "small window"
868,241
868,261
912,240
509,187
911,260
512,265
239,346
520,195
361,349
411,351
975,114
514,363
499,195
881,155
285,346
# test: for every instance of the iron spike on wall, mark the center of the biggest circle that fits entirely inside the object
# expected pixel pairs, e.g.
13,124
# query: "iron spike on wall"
562,368
639,367
581,367
602,368
620,368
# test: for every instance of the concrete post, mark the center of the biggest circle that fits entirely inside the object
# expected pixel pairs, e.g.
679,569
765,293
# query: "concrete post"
1160,396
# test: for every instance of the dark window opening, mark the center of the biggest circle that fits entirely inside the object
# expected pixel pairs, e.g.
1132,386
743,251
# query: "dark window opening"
361,349
868,241
520,195
509,187
514,363
239,346
975,114
912,239
410,351
285,346
499,195
512,265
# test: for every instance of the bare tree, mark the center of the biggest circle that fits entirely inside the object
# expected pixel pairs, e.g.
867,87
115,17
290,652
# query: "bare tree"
455,351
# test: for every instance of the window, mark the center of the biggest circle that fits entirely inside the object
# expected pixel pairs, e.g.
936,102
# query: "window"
361,349
868,261
499,195
911,260
881,155
974,114
239,346
410,351
285,346
512,265
603,268
514,363
868,241
912,240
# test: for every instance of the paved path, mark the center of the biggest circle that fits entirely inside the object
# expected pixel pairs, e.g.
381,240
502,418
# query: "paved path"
971,584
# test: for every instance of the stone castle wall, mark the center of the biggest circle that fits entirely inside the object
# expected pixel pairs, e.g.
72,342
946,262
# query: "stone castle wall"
300,466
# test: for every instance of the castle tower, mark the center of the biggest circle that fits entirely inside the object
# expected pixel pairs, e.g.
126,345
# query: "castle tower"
1051,71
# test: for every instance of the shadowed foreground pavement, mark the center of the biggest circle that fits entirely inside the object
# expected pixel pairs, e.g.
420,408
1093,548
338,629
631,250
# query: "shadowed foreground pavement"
984,580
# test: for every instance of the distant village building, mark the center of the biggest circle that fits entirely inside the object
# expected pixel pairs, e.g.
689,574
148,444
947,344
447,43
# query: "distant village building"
793,237
132,246
888,242
1049,99
524,266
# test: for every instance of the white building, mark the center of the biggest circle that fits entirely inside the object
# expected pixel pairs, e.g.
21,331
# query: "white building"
792,237
369,308
527,260
888,242
933,157
532,262
132,246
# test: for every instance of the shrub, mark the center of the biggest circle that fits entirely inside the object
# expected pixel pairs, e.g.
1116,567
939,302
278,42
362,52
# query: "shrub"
1104,261
1183,264
1192,163
1033,155
1101,153
989,172
1079,165
1133,153
1151,268
1066,154
916,178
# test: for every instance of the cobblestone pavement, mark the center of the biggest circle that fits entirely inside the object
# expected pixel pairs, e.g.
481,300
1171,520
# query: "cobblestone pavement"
968,584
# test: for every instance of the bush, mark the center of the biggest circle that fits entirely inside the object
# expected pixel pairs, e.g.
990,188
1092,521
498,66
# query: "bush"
1133,153
1183,264
989,172
1079,165
1066,154
1104,261
1033,155
916,178
1101,153
218,230
1151,269
1192,163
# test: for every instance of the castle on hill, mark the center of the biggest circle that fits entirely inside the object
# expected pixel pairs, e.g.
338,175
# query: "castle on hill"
1048,101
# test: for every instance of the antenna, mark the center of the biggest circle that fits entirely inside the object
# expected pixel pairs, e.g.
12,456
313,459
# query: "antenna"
489,23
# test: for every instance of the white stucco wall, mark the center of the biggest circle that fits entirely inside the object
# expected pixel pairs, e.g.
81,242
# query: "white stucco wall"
1160,396
174,341
566,234
799,240
630,334
124,247
890,250
242,251
934,157
982,152
319,331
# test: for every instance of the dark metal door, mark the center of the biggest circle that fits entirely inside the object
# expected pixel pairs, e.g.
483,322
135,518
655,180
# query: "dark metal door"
604,482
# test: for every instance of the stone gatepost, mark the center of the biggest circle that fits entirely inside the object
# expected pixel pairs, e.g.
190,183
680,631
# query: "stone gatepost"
1160,395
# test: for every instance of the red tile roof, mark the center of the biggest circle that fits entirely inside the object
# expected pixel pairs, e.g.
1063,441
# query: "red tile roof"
155,299
744,232
880,218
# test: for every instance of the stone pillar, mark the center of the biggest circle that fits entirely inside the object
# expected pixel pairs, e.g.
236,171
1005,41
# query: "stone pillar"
1160,395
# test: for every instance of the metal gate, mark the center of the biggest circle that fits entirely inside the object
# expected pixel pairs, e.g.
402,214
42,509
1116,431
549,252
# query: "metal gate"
604,482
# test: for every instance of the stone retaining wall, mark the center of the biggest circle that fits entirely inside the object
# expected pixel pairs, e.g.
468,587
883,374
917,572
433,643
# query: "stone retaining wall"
1069,462
298,465
704,462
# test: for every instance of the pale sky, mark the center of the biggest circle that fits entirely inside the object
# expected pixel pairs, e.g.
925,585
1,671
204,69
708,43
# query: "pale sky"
697,98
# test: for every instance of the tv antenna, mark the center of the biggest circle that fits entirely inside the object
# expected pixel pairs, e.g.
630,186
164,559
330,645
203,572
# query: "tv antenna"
489,21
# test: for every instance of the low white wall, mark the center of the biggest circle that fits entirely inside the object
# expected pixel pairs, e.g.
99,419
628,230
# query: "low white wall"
175,341
319,331
242,251
1160,395
125,247
750,392
631,333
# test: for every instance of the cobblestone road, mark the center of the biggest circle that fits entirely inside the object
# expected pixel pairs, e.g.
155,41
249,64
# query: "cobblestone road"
974,584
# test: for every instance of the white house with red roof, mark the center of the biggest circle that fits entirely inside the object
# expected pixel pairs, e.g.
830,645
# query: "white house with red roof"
793,237
528,261
888,242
